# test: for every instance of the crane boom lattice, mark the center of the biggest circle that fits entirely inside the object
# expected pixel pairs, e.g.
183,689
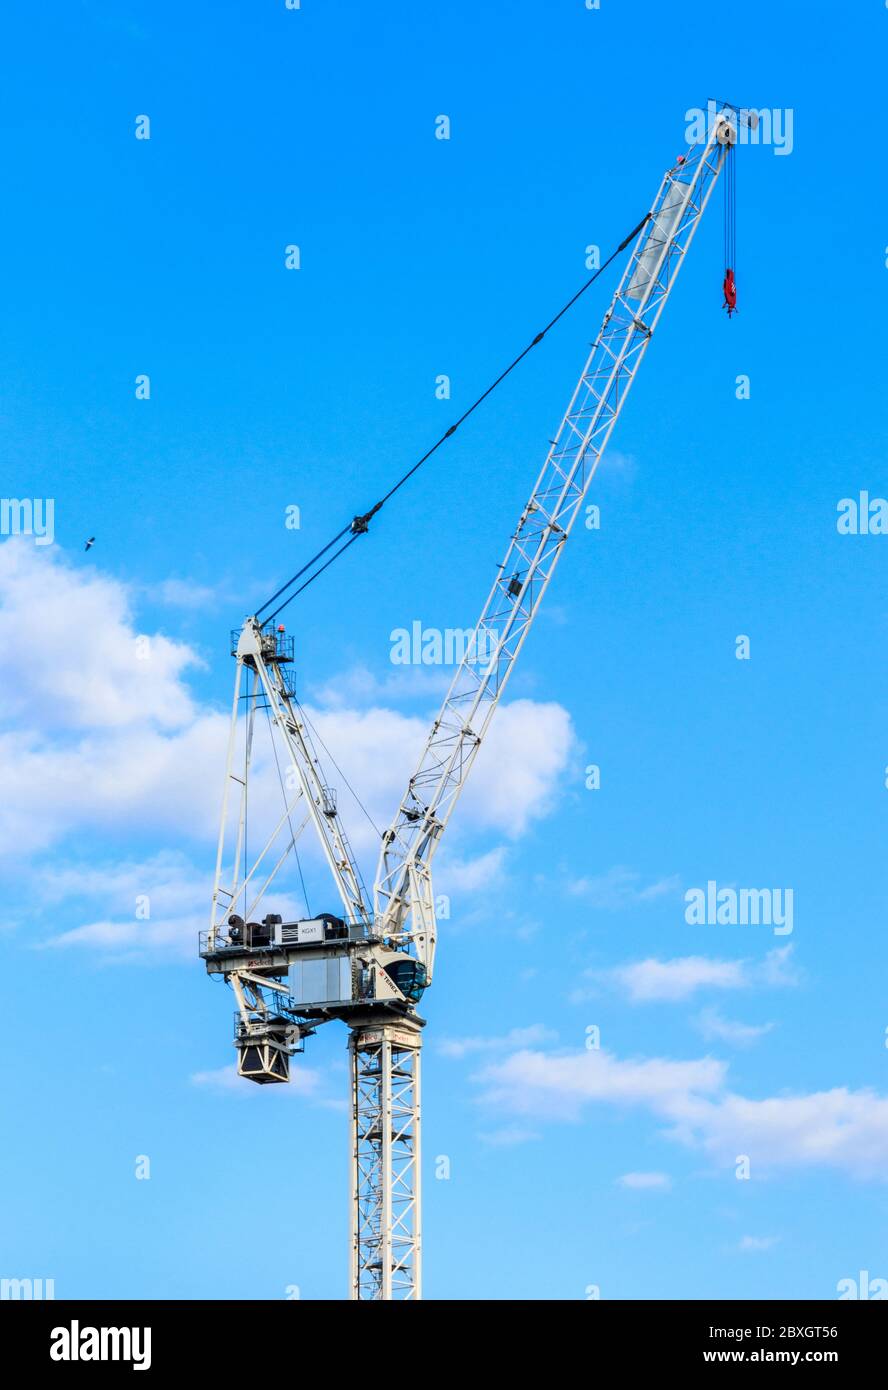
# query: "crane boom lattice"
403,883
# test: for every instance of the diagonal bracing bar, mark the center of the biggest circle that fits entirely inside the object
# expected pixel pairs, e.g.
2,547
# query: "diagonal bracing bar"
386,1234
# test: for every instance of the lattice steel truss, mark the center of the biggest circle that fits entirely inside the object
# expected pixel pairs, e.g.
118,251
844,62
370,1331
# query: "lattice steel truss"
385,1032
386,1230
259,682
403,896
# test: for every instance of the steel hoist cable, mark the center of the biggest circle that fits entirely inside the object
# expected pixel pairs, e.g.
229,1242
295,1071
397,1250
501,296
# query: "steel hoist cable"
360,525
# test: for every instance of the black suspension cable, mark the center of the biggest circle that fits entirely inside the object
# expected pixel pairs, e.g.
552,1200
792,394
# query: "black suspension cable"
361,524
299,573
301,709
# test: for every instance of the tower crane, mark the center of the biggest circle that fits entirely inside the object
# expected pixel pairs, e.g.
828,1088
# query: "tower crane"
370,963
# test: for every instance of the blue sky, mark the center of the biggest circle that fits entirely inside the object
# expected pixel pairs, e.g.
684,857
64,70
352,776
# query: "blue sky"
273,388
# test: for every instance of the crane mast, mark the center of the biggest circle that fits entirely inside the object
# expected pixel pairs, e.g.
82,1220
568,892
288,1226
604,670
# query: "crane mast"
370,969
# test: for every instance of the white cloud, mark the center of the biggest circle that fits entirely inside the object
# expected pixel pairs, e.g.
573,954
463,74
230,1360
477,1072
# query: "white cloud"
183,593
304,1082
559,1085
478,875
103,741
620,888
521,767
168,877
175,894
715,1027
95,737
649,980
645,1182
165,886
517,1037
616,461
518,771
758,1243
118,780
133,941
360,686
509,1137
646,980
841,1129
71,653
777,968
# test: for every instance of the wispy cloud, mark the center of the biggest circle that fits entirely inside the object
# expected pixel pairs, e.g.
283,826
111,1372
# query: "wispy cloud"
111,724
758,1243
361,686
509,1137
518,1037
559,1085
842,1129
132,911
622,888
477,875
304,1083
182,593
714,1027
650,980
616,461
645,1182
